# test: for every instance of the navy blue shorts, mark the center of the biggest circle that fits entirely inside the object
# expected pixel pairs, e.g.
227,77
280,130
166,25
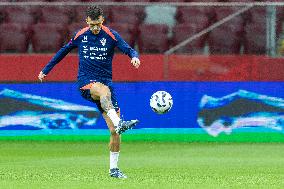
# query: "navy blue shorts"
85,93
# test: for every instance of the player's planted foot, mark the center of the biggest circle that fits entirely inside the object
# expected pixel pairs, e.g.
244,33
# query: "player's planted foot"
125,125
116,173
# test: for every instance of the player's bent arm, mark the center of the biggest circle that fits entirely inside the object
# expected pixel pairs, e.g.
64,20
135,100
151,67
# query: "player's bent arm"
58,57
124,47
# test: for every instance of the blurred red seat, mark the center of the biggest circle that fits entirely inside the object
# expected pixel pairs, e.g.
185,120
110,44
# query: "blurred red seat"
14,38
182,32
133,1
192,14
188,15
169,1
65,1
153,38
32,0
127,31
57,15
127,14
43,41
223,12
255,39
2,14
80,14
226,39
257,15
19,14
98,0
75,27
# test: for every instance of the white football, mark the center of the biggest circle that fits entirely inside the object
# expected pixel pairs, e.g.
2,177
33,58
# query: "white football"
161,102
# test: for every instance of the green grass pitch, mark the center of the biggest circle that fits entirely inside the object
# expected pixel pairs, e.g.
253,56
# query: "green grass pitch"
84,164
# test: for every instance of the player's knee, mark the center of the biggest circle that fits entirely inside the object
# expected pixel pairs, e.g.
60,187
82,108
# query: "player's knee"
104,91
99,89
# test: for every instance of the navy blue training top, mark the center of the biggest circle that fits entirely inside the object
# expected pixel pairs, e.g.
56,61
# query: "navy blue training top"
95,54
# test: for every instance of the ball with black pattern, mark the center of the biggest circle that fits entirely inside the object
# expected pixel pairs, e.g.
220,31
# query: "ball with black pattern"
161,102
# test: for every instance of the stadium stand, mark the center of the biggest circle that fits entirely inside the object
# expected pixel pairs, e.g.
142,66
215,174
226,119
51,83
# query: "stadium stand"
65,0
168,1
125,14
208,11
153,43
80,14
257,15
57,15
98,0
27,0
255,39
19,14
127,31
2,14
188,30
14,38
227,38
43,42
255,31
222,12
193,15
193,18
74,27
133,1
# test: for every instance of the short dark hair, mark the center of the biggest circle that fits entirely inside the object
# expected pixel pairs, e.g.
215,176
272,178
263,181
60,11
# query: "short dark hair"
94,12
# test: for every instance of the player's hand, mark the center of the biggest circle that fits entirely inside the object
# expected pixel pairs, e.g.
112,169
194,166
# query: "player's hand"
135,62
41,76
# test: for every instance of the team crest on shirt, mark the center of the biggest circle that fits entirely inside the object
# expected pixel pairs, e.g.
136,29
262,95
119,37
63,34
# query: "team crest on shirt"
103,41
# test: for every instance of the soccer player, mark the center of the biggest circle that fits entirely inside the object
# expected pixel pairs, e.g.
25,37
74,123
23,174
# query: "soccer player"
96,45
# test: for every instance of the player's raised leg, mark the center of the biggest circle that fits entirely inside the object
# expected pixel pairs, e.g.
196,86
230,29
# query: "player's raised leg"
102,92
114,147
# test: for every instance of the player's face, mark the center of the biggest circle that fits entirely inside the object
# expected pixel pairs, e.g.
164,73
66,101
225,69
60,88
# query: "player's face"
95,25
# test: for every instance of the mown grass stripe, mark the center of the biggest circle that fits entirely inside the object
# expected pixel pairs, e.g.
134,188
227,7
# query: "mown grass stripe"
235,137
